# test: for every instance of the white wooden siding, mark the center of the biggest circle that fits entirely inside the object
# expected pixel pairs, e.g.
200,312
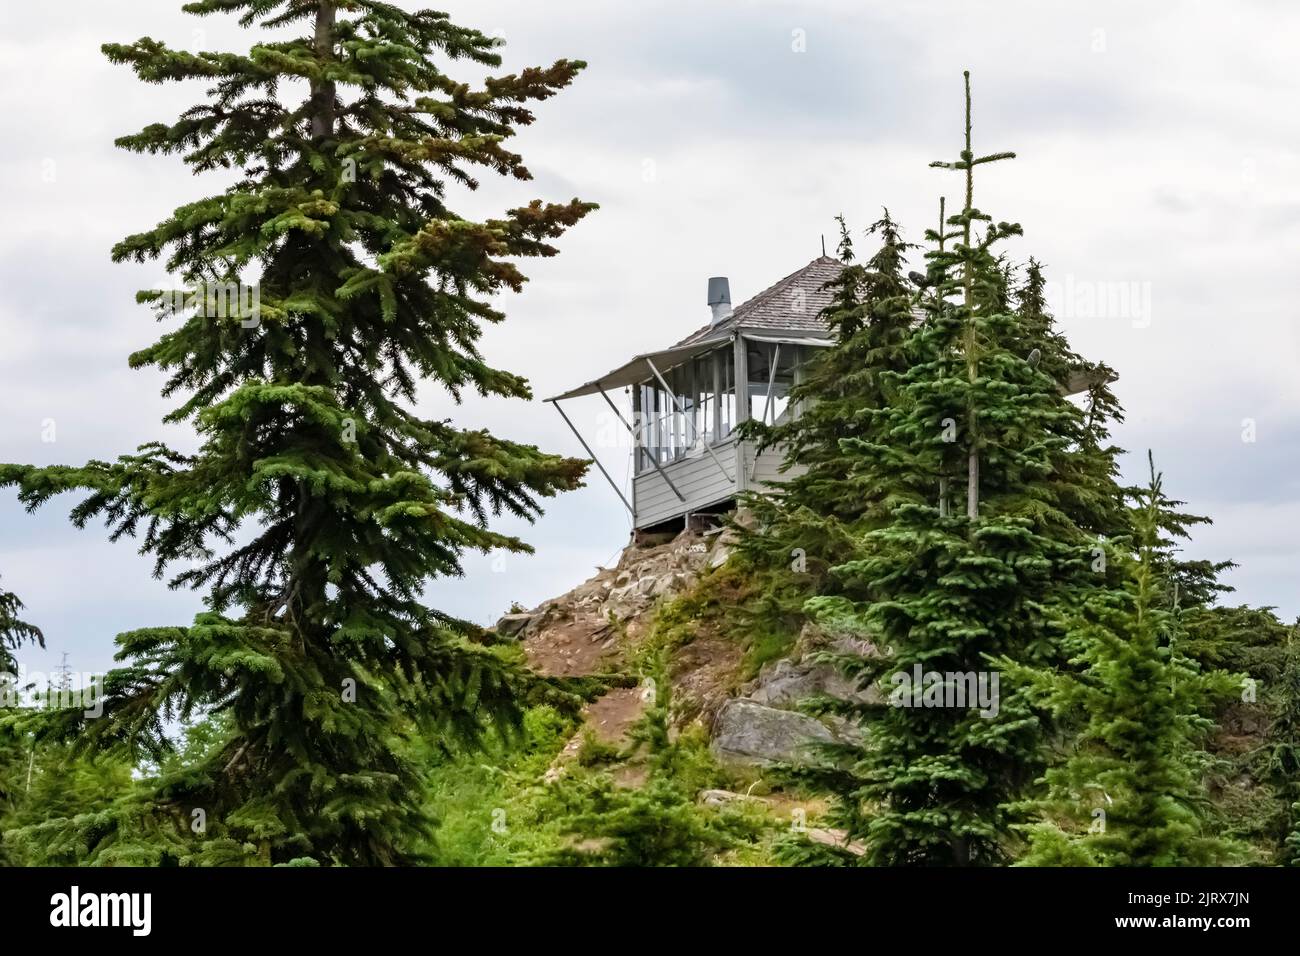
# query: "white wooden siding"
769,464
701,482
698,478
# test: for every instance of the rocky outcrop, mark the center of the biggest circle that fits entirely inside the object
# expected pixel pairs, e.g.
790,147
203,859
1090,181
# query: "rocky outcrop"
765,725
596,628
748,733
786,683
589,629
815,639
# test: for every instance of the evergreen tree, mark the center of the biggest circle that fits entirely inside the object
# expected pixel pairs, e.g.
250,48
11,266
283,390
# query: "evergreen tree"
1085,474
14,745
1240,638
1283,749
943,589
14,632
43,788
807,524
1130,791
320,502
1186,583
1252,790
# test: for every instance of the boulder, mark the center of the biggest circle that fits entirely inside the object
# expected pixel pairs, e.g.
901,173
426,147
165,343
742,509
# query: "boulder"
512,625
671,583
747,732
723,548
785,683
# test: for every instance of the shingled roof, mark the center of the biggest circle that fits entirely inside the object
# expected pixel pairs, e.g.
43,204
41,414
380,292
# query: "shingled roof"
791,308
793,304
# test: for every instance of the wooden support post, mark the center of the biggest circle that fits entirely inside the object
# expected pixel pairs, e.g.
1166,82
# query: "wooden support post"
742,407
742,381
771,384
658,467
617,490
717,363
637,428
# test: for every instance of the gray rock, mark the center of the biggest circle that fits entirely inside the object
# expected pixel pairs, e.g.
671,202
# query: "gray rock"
723,548
785,683
670,583
512,625
720,798
836,838
746,732
813,638
631,599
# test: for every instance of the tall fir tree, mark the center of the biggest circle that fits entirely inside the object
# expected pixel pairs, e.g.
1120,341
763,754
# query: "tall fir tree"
996,502
1131,791
1253,795
322,288
807,524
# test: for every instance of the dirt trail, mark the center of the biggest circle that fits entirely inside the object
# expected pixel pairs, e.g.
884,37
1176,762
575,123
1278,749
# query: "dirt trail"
596,627
575,649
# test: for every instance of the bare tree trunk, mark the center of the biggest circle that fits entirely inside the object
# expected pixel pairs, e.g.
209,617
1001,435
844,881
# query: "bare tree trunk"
973,484
960,852
972,359
322,91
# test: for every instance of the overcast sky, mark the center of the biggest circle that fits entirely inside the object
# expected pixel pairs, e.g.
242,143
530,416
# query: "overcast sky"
1158,157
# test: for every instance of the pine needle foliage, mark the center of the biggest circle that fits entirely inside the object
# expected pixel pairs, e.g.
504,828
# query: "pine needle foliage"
14,632
320,502
657,822
1130,791
1283,752
997,488
808,524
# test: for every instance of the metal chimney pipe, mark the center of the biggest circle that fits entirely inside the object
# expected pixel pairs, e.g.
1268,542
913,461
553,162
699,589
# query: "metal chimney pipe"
719,298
